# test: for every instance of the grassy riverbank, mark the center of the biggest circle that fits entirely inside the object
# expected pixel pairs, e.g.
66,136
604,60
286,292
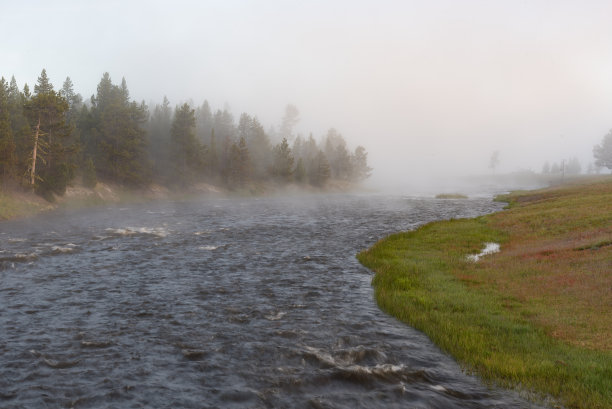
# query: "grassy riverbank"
17,203
536,315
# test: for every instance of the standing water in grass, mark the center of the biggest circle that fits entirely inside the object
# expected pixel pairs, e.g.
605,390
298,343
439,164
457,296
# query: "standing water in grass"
255,302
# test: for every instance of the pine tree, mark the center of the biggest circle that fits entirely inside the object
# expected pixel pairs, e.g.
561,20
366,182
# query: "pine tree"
204,123
290,120
245,126
213,158
603,152
555,168
234,176
260,151
239,172
105,91
115,137
89,174
123,91
241,163
26,92
51,163
573,167
337,155
300,171
320,170
75,101
359,165
7,143
283,161
20,127
187,158
43,86
160,124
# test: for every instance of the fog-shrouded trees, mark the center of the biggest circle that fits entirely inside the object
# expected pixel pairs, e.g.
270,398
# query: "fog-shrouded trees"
566,167
319,171
338,155
494,161
48,137
290,120
159,127
204,123
573,167
282,168
240,164
115,137
360,169
603,152
51,161
187,153
7,142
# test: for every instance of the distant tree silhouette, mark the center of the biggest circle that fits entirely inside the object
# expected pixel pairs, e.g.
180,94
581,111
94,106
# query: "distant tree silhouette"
603,152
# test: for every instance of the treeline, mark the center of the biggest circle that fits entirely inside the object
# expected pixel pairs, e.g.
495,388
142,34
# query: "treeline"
48,138
572,167
566,167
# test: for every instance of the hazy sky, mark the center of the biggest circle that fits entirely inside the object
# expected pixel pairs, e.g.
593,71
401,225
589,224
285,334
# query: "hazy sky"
424,85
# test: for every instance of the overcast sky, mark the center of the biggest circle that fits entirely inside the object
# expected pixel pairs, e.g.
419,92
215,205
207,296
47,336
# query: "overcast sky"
426,86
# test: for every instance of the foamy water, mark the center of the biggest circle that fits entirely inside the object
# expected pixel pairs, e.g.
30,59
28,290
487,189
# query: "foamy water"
489,248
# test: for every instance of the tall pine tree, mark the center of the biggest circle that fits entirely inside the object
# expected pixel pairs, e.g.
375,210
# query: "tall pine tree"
51,161
187,156
7,143
116,138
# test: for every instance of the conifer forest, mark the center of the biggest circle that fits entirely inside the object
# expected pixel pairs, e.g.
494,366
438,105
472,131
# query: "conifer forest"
50,138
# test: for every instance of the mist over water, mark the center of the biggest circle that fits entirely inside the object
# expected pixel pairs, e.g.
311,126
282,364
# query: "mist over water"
255,302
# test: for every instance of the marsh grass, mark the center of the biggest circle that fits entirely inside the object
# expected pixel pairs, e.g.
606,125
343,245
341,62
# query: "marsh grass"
536,315
451,196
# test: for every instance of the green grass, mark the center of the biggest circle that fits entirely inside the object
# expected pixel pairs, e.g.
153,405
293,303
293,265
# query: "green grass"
535,316
451,196
15,206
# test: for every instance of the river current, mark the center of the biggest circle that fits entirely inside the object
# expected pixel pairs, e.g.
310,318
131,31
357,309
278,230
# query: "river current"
219,303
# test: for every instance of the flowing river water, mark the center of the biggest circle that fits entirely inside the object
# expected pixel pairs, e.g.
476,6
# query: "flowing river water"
241,303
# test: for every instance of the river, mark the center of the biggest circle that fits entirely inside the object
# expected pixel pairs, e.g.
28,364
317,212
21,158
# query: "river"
228,303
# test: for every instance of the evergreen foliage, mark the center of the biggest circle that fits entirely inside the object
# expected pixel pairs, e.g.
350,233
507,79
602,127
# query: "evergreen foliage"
116,137
359,164
290,120
89,174
603,152
283,161
300,171
7,143
159,127
50,164
48,137
186,150
320,170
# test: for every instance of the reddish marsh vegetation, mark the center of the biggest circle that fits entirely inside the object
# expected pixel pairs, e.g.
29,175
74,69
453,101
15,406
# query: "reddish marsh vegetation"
536,315
558,260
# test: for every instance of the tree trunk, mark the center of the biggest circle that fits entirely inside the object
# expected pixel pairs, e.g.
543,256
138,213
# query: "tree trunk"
33,172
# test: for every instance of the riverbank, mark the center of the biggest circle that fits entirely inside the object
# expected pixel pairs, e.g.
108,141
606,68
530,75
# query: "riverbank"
534,316
16,203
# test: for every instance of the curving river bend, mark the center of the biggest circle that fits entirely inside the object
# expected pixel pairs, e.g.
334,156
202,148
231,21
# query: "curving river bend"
255,302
